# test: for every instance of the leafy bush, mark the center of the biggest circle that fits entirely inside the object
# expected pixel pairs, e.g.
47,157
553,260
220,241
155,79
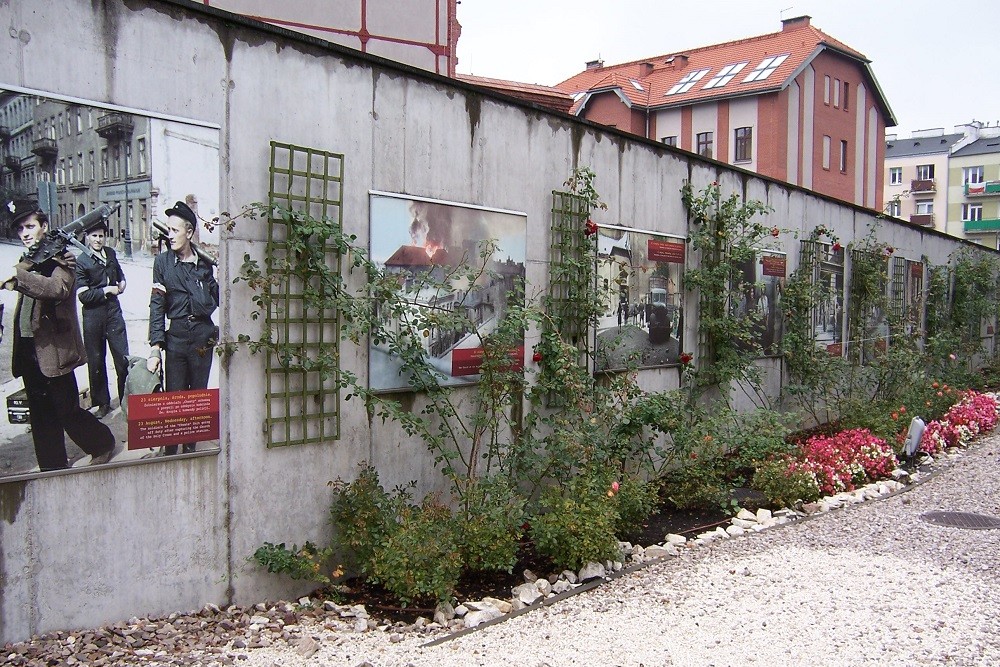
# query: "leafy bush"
784,485
491,529
365,515
576,524
699,484
421,559
305,563
635,500
752,437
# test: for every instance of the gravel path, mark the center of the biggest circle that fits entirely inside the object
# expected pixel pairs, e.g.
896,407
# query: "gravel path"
871,584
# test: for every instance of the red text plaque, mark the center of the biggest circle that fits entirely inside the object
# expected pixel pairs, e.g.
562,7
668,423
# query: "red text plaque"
173,418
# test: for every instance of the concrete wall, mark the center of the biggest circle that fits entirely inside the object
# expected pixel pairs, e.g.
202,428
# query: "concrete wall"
79,549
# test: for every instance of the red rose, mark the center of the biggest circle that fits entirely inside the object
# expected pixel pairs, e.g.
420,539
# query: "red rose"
686,358
537,357
775,231
590,228
837,247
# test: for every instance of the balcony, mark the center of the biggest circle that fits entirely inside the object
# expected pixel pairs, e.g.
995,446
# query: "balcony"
984,189
981,226
922,219
922,185
116,126
12,162
45,148
4,133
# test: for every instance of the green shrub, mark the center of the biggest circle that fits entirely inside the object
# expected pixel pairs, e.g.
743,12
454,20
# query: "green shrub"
576,525
420,560
699,484
365,515
491,529
782,487
635,500
749,438
305,563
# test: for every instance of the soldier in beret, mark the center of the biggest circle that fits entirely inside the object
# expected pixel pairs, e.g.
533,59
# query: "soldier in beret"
48,346
185,294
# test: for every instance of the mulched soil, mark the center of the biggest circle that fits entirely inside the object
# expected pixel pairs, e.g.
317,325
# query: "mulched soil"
478,585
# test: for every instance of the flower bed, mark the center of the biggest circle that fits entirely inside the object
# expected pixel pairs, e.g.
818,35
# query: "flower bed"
840,461
975,413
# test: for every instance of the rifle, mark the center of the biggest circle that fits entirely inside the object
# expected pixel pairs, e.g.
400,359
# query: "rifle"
55,241
163,234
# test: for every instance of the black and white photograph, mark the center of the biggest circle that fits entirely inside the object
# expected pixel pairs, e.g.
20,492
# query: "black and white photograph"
110,289
640,275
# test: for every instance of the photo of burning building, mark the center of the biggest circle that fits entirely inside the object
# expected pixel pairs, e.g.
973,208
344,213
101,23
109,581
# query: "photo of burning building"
429,245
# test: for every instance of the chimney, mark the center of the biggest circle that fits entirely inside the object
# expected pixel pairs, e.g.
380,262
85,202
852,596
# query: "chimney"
645,69
595,64
678,61
794,23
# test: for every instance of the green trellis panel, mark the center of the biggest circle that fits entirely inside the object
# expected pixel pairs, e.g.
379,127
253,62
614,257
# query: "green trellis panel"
301,405
567,278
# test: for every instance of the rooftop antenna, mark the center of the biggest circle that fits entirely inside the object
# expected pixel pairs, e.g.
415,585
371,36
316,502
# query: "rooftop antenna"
781,13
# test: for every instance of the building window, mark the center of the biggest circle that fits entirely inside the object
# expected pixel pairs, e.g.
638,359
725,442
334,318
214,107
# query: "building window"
744,144
765,68
61,173
847,88
836,93
140,145
895,175
925,172
925,206
93,171
826,152
116,162
79,162
725,75
893,208
826,90
704,144
128,160
972,175
972,212
104,164
687,82
69,170
79,122
843,156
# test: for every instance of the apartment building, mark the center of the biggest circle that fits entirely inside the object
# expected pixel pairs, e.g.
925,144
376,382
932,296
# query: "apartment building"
947,181
796,105
916,179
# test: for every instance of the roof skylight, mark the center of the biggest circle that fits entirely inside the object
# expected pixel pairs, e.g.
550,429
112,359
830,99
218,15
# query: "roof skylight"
765,68
725,75
687,81
636,84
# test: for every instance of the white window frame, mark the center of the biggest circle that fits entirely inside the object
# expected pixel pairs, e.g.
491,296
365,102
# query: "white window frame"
766,68
972,212
687,81
836,93
726,75
925,172
826,89
826,152
972,175
893,208
895,175
924,206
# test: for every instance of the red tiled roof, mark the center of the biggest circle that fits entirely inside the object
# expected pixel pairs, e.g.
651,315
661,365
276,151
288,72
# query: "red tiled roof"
548,96
656,75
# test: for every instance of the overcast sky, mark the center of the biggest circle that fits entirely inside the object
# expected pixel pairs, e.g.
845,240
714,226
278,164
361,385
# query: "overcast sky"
937,61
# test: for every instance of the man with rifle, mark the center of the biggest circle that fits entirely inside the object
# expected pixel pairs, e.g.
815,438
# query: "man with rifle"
48,345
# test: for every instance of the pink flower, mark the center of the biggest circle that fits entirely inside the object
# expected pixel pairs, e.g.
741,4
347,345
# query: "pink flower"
614,486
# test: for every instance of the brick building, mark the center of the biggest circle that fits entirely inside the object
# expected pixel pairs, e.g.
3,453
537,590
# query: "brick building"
796,105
